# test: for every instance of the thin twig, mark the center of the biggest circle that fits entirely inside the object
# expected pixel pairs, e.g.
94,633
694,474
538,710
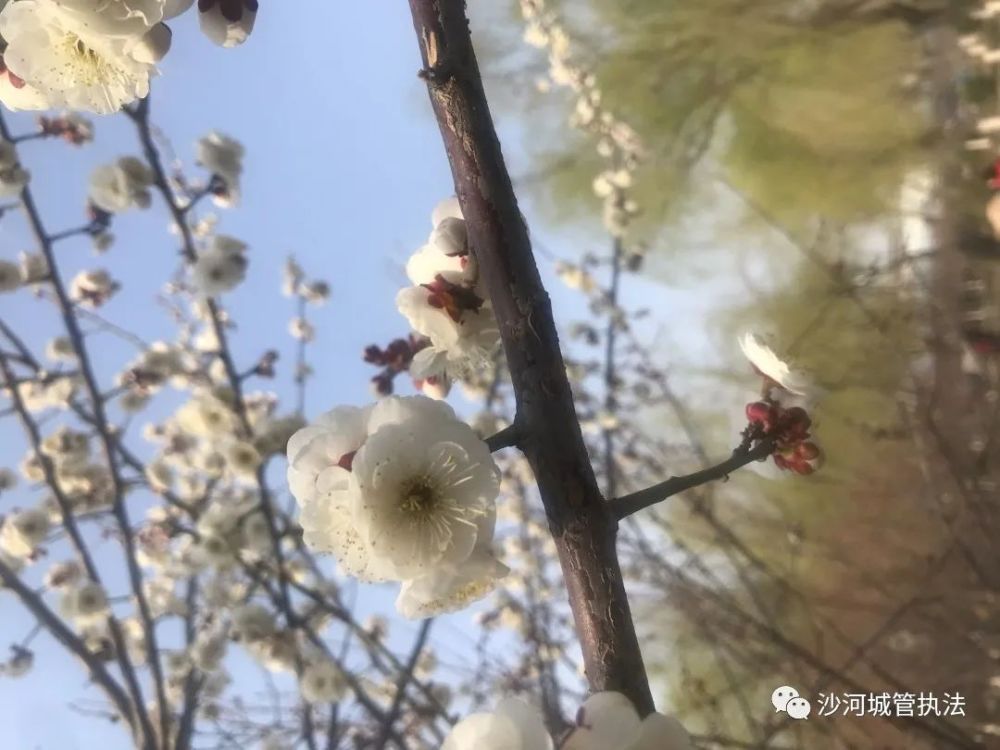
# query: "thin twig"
743,455
402,683
506,438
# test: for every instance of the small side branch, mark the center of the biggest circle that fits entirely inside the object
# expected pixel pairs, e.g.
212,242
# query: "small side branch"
745,454
506,438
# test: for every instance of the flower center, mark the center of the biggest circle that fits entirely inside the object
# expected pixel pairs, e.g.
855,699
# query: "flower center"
419,497
86,65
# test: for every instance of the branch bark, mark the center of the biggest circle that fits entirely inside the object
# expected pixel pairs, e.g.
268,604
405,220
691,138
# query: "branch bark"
581,522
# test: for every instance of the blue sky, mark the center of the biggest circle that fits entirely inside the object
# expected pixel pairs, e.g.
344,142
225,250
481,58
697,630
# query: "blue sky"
344,164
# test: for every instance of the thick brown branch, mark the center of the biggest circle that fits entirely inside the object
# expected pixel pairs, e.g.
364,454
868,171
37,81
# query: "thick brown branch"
743,455
581,522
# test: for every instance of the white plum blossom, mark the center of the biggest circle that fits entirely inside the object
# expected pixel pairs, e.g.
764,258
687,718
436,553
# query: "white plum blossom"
242,458
13,177
23,531
575,277
160,363
223,157
85,605
228,23
429,261
447,249
208,649
315,292
323,682
54,393
989,125
115,18
219,268
424,486
92,288
174,8
122,185
398,491
10,276
301,329
17,95
8,479
153,46
460,325
62,575
292,277
320,456
34,267
19,664
252,622
436,385
768,364
609,721
450,588
206,415
446,303
513,725
81,55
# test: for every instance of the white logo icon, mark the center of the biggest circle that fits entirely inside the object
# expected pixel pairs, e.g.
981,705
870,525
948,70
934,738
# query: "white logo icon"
787,699
798,708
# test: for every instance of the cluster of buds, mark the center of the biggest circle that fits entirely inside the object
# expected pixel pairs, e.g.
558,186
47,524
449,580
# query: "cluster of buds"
71,127
393,359
789,429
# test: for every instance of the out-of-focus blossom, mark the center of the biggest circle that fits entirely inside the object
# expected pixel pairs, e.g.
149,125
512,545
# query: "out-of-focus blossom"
228,23
92,288
513,725
122,185
219,268
223,157
772,367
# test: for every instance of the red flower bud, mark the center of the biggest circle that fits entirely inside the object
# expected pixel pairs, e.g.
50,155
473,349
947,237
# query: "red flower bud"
807,451
796,418
803,468
762,413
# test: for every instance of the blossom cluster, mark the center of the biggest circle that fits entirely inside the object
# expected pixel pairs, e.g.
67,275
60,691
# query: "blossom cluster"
780,415
400,491
606,721
128,182
98,57
446,303
617,143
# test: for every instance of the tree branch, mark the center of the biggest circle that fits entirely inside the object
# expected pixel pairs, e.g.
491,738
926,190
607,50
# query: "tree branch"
743,455
402,683
102,425
581,522
141,726
506,438
51,622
